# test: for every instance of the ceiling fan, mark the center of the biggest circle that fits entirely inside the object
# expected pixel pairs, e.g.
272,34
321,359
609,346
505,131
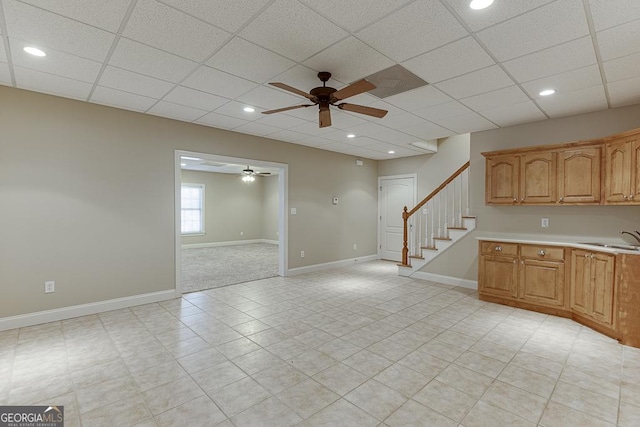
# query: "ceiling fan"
324,97
251,172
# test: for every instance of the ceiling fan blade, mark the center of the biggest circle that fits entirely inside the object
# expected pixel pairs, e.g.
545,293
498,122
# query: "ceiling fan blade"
279,110
294,90
356,88
325,118
369,111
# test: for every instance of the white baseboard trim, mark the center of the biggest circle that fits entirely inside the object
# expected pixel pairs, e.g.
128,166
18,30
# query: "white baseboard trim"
64,313
329,265
230,243
447,280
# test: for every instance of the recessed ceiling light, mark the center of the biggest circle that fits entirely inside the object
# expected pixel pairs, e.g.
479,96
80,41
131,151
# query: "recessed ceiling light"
547,92
480,4
34,51
392,152
183,164
189,158
351,135
249,109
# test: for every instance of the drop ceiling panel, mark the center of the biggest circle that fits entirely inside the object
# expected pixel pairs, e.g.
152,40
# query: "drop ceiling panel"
56,62
175,111
129,81
401,121
443,111
361,141
218,83
475,83
620,41
249,61
254,128
267,98
3,54
292,30
426,130
5,75
422,97
106,15
625,92
229,15
354,14
120,99
554,60
349,60
236,109
611,13
570,81
50,30
622,68
165,28
390,36
282,121
479,19
147,60
576,102
311,128
555,23
344,120
452,60
514,114
48,83
497,98
468,123
302,78
219,121
313,141
191,97
289,136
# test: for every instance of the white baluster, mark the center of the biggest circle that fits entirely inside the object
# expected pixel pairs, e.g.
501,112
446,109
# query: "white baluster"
468,184
460,211
446,207
453,204
439,213
433,217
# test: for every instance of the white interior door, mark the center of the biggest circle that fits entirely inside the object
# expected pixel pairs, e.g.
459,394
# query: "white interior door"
395,194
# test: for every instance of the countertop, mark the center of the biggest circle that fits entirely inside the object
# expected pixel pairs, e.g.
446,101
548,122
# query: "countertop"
554,240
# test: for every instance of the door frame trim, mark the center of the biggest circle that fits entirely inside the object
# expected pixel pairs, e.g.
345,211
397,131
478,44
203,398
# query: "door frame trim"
414,176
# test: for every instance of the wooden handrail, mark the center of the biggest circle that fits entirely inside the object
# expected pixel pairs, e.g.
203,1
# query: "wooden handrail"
406,214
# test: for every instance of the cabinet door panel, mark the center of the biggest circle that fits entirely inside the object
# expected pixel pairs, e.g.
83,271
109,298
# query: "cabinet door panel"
617,174
538,178
635,171
498,276
542,282
580,281
602,294
502,180
579,176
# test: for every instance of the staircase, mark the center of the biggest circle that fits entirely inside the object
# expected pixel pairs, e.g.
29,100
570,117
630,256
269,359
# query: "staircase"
436,223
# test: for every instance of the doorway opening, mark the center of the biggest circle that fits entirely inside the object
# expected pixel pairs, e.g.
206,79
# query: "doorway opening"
395,192
209,242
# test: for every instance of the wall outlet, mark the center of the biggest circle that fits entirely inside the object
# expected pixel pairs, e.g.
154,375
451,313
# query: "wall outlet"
242,233
294,211
355,247
544,223
301,254
49,287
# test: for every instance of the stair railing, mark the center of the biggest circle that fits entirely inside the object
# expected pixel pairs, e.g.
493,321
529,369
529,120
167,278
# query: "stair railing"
445,209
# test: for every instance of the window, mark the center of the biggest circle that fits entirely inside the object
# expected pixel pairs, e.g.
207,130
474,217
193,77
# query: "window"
192,208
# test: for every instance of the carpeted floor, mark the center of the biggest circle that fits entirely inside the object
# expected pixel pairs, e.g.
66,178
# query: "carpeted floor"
206,268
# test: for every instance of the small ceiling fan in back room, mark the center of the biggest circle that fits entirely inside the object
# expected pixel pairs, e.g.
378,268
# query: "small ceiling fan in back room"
248,174
324,96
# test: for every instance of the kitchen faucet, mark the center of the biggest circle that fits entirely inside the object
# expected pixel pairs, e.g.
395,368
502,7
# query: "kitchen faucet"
635,236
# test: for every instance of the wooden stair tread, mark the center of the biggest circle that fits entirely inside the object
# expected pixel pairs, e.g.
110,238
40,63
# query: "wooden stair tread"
416,257
456,228
429,248
468,217
442,238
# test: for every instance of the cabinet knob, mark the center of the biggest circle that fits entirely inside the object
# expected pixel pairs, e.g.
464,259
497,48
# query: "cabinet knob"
625,197
522,262
586,255
592,256
541,252
561,199
631,196
515,199
498,249
522,199
514,261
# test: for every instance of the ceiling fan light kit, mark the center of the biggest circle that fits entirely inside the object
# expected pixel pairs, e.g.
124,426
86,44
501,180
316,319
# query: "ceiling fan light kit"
325,96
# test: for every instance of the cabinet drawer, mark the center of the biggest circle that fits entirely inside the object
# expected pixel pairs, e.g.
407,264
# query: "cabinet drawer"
542,252
499,248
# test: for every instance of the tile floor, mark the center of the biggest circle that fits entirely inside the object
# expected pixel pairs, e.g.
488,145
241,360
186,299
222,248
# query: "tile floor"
357,346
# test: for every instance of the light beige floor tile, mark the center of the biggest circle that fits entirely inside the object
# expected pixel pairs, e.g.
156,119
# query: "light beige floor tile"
445,399
307,398
515,400
465,380
594,404
44,388
343,414
494,351
376,399
238,396
533,382
197,412
251,327
367,362
287,349
312,361
256,361
171,395
186,347
158,375
99,373
402,379
537,364
414,414
481,364
314,338
105,393
390,349
629,415
236,348
339,349
442,350
630,392
201,360
426,364
268,337
485,415
218,376
591,381
279,377
270,412
340,378
129,412
557,415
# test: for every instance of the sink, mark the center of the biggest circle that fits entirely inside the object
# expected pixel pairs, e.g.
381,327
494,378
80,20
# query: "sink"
614,246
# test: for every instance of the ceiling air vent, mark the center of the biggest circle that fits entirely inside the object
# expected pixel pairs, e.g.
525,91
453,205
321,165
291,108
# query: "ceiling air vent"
394,80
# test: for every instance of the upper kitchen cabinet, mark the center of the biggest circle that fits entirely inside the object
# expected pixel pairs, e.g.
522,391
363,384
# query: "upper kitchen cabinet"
579,172
502,176
622,169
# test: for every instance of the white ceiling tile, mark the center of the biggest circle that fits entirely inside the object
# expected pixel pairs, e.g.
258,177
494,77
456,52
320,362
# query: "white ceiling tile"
313,141
175,111
345,120
269,99
576,102
354,14
229,15
443,111
379,132
281,120
361,141
449,61
570,81
349,60
5,75
392,110
3,54
99,13
254,128
608,13
218,83
194,98
289,136
249,61
309,114
293,30
514,114
120,99
219,121
312,128
619,41
415,99
147,60
555,23
475,83
622,68
302,78
499,12
236,109
427,130
165,28
56,62
50,30
129,81
393,35
554,60
624,92
401,121
48,83
497,98
469,123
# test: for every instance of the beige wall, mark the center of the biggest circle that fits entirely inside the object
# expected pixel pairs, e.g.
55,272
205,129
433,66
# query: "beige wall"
232,207
270,207
594,221
87,199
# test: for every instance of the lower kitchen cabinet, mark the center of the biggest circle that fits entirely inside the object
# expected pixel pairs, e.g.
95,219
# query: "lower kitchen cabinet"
592,285
542,282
